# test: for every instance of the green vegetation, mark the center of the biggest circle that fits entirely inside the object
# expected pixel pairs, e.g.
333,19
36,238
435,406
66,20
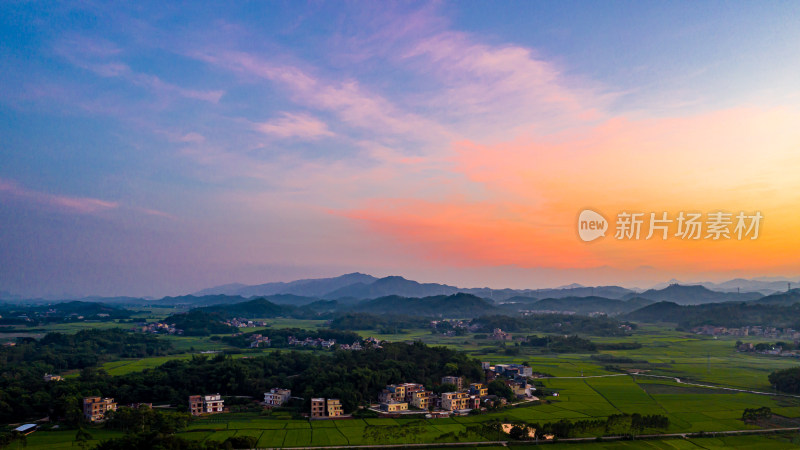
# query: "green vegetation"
560,344
786,380
198,323
555,323
386,324
727,314
756,414
23,391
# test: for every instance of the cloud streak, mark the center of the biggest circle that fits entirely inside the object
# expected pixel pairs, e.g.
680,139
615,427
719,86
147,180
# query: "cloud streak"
291,125
81,205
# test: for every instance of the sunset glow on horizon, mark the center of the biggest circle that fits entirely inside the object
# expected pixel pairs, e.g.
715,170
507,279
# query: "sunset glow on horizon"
154,150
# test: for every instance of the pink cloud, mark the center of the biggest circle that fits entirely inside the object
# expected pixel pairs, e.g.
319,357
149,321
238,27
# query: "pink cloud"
78,205
83,205
352,104
94,55
295,125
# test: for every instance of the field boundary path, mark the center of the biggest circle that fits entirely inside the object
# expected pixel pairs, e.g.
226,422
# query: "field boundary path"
675,379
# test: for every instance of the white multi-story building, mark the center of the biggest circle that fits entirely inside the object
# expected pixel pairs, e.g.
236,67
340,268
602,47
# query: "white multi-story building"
277,397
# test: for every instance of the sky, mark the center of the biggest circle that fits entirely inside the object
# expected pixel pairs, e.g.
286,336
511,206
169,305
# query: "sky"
152,148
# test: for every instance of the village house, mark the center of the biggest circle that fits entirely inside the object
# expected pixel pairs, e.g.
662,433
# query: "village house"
51,377
206,404
321,408
277,397
456,401
257,340
421,399
499,335
478,389
95,408
394,406
158,328
455,381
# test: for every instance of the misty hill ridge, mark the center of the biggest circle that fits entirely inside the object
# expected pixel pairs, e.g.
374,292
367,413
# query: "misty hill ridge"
693,295
316,287
392,285
456,305
586,305
783,298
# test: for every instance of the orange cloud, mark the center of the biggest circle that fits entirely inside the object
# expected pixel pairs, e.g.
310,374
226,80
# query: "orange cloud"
534,186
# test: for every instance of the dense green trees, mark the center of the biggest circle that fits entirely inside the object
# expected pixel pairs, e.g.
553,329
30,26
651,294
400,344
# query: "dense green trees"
500,389
385,323
561,344
199,323
725,314
555,323
756,414
145,419
23,391
786,380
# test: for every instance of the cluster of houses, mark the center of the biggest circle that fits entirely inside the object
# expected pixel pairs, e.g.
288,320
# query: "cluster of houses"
768,332
369,342
245,323
394,399
157,328
766,349
309,342
455,325
500,335
536,312
397,398
257,340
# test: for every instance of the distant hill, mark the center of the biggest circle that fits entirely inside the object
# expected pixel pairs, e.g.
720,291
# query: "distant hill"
257,308
587,305
756,285
783,298
693,295
456,305
392,285
725,314
763,285
361,286
307,288
203,300
656,312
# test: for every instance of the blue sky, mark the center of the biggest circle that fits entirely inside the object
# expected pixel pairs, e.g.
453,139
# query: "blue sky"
152,149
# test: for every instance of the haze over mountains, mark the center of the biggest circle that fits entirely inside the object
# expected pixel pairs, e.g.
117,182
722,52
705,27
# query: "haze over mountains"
362,292
362,286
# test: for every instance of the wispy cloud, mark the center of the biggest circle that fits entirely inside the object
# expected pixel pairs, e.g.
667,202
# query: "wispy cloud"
68,204
104,59
83,205
352,104
298,125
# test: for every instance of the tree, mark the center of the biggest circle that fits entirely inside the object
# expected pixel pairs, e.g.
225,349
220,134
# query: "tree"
500,389
82,438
